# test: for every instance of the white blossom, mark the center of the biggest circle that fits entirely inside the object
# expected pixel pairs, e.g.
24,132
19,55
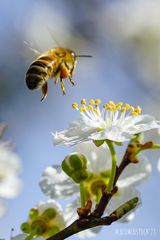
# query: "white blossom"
99,160
10,166
115,122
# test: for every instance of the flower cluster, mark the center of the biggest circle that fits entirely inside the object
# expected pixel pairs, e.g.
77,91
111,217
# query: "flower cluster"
99,181
10,166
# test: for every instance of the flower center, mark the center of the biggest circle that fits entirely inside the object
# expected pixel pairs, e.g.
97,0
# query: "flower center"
110,106
94,185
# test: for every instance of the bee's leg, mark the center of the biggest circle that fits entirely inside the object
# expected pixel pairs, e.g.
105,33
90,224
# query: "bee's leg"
62,86
56,80
44,89
71,80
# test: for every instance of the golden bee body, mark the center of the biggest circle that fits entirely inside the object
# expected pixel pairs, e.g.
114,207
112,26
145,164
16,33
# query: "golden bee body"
58,63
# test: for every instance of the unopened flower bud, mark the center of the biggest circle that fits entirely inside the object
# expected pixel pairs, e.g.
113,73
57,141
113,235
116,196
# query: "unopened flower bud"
33,213
25,227
38,227
49,213
75,166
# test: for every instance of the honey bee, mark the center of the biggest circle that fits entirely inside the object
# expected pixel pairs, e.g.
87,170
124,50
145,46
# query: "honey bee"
58,63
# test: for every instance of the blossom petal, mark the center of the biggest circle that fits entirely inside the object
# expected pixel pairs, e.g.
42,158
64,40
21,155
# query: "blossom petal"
2,209
135,174
95,155
158,165
23,237
50,203
55,183
10,184
78,131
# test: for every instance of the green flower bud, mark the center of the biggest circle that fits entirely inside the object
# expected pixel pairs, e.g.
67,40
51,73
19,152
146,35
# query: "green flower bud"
75,166
49,213
33,213
25,227
39,227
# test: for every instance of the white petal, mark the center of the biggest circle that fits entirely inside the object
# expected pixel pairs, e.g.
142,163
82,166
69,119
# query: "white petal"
50,203
10,184
55,183
135,174
23,237
77,132
99,158
114,133
158,165
19,237
2,209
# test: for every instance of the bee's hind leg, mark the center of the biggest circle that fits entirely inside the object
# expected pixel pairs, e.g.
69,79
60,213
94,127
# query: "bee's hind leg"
62,86
71,80
44,90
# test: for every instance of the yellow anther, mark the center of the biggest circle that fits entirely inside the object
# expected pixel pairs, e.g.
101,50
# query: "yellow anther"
134,113
138,109
83,101
108,107
132,109
89,107
82,109
111,103
127,106
97,102
75,105
123,109
104,106
95,110
92,102
119,105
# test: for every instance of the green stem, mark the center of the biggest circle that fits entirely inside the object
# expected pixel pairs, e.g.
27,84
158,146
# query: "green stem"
82,194
113,171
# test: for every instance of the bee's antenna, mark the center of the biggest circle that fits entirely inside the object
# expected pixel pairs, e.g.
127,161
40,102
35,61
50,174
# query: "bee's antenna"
84,56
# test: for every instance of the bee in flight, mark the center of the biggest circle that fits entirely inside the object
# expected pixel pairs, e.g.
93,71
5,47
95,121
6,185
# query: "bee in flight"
58,63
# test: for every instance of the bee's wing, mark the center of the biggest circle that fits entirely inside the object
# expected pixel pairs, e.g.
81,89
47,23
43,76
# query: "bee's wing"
30,46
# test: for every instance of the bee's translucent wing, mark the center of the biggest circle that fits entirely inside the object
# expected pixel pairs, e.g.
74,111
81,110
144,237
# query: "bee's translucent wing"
30,46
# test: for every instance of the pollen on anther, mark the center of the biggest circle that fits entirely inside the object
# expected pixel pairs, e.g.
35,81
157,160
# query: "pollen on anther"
90,107
82,109
83,101
97,102
92,102
75,105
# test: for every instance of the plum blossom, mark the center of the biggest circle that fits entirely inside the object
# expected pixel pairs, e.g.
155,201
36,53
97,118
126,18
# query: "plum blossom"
56,184
10,166
115,122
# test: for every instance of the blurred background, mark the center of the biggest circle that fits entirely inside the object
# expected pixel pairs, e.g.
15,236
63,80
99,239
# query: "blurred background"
123,36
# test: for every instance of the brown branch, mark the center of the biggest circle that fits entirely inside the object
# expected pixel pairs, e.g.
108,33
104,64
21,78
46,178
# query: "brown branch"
88,222
95,218
81,225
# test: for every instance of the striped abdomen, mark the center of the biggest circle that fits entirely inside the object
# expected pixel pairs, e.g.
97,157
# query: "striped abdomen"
39,72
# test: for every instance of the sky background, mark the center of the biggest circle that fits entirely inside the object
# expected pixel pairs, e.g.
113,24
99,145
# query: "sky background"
124,39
